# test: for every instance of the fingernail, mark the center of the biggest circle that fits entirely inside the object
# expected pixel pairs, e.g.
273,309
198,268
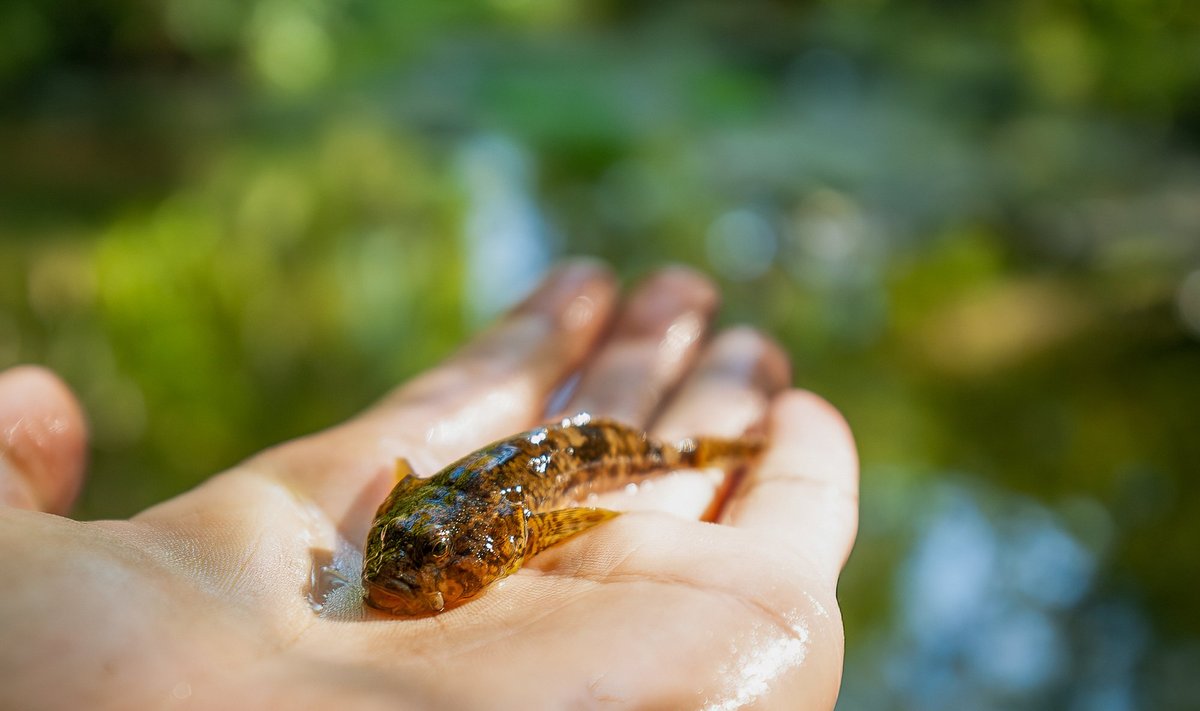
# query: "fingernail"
668,296
743,354
564,285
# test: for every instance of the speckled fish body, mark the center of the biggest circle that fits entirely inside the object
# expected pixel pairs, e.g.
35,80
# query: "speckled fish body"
438,542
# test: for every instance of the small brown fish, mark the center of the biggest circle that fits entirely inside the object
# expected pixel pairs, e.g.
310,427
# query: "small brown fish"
438,542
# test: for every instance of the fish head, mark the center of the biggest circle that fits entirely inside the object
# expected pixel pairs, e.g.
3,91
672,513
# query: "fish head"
438,554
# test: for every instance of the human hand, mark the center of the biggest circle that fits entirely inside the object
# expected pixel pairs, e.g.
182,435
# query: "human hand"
203,600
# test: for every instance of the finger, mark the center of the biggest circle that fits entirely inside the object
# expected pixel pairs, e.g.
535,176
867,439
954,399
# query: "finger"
495,386
726,394
730,388
42,438
656,337
805,491
537,344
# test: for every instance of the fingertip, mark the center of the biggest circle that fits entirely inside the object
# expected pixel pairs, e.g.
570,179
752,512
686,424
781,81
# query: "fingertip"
776,365
570,283
661,297
683,277
43,435
803,410
747,347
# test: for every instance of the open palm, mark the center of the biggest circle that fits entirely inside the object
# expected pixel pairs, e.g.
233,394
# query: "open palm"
204,601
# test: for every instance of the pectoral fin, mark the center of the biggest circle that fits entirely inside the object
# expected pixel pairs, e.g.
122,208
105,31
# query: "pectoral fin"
403,470
547,529
406,481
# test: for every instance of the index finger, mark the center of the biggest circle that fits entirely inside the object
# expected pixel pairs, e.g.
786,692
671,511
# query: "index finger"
805,490
496,385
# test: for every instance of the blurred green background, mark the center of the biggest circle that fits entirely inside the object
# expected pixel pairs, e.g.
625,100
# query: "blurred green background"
975,226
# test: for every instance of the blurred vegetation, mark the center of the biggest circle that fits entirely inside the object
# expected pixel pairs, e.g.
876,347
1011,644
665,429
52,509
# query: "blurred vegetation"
975,226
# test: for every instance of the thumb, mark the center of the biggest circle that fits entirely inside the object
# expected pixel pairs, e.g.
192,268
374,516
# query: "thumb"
42,439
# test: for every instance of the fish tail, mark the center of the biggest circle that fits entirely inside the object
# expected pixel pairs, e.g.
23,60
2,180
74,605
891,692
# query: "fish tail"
701,452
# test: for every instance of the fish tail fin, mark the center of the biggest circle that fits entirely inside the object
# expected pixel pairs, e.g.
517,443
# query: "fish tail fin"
702,452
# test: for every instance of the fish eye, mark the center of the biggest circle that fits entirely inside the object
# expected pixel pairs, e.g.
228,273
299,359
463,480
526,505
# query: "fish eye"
440,548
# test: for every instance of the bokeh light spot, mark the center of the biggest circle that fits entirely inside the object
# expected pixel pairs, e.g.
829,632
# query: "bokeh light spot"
741,244
290,49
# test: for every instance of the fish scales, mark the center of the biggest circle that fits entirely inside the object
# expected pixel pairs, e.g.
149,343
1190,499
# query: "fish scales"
438,542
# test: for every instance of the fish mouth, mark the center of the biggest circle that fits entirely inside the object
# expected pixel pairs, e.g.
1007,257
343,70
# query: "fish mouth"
404,603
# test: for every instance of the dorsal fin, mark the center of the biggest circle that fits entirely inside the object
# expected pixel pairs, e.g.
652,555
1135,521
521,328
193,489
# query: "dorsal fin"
406,481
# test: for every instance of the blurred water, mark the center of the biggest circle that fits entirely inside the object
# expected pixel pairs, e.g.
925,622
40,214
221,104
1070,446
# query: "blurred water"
741,244
506,243
995,607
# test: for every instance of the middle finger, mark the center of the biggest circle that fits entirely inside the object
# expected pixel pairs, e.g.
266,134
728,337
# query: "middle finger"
655,340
